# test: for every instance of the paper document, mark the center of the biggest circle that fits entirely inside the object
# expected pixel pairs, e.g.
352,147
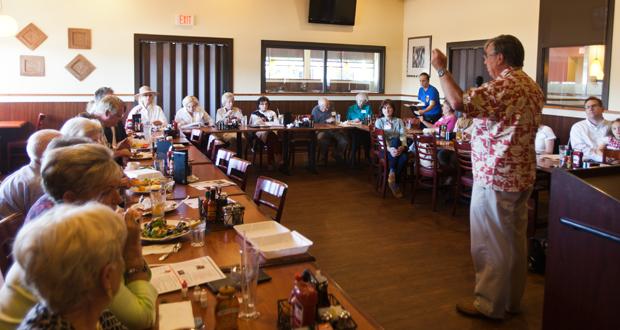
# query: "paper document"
176,316
196,271
192,202
203,185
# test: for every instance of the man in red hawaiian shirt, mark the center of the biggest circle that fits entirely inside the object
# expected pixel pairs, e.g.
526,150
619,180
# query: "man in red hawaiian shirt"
506,113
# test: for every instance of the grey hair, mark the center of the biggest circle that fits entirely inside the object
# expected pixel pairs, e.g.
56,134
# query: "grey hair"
190,99
109,103
81,127
83,169
38,141
361,96
323,101
227,96
63,252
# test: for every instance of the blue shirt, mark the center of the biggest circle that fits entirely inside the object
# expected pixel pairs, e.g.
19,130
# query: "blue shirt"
319,116
355,112
426,96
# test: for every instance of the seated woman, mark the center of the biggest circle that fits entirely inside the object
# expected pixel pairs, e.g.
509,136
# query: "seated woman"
545,140
78,174
464,124
150,113
611,141
72,260
448,118
192,115
396,137
83,128
227,114
358,112
261,117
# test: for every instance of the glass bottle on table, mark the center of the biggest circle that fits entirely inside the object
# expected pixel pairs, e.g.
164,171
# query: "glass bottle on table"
211,207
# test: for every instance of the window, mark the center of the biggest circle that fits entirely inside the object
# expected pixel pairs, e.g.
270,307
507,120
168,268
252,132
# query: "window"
292,67
575,73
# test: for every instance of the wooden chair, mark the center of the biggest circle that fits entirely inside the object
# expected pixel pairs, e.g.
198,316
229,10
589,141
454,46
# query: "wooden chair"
214,147
195,135
255,146
428,172
273,188
222,159
238,171
379,160
16,155
611,156
9,227
464,173
300,141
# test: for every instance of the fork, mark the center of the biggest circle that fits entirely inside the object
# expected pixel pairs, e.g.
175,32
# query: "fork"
175,249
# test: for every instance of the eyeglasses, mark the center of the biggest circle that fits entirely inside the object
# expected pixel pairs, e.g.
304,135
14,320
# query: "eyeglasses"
485,56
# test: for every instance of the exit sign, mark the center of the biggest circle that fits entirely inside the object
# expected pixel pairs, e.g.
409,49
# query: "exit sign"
185,20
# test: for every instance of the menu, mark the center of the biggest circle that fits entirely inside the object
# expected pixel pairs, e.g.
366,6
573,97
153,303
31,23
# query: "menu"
197,271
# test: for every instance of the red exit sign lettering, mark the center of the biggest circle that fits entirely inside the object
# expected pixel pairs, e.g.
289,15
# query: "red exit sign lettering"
185,19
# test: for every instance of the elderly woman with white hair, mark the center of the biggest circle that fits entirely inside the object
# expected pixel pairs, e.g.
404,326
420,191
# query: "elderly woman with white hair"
192,114
83,127
72,261
149,111
23,187
77,175
227,113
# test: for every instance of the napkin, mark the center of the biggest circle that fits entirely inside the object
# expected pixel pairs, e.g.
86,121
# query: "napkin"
176,316
157,249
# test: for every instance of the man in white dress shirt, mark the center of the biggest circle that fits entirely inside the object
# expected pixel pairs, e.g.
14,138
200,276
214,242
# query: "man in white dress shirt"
585,135
22,188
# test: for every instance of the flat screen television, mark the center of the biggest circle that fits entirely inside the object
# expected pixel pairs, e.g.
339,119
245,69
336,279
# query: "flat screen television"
341,12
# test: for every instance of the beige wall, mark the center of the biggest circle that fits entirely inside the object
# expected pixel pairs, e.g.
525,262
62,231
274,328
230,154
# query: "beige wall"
457,20
113,23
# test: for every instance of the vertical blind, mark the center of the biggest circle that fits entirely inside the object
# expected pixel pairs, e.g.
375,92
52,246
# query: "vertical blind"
466,64
176,69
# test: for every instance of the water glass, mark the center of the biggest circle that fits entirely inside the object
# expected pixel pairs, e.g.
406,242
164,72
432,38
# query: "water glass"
160,165
562,149
198,234
249,282
158,202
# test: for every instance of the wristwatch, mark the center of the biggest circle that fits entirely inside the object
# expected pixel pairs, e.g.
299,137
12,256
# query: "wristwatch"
441,72
135,270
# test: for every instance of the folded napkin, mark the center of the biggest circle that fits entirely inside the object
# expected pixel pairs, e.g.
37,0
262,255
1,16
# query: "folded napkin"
157,249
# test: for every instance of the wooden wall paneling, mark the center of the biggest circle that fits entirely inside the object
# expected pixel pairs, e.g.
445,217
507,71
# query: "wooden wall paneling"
207,101
218,76
172,65
184,70
561,127
196,70
159,60
146,63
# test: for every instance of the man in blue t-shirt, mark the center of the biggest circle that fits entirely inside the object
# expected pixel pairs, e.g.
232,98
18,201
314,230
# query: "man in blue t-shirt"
429,96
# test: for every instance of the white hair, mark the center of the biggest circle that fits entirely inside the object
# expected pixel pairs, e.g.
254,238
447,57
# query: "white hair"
227,96
63,252
84,169
361,97
38,141
190,99
108,103
82,127
323,101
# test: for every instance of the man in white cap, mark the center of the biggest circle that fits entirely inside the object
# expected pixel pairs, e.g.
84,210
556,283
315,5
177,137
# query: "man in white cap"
150,113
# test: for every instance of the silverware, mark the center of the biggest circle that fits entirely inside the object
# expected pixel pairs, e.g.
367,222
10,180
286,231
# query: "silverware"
175,249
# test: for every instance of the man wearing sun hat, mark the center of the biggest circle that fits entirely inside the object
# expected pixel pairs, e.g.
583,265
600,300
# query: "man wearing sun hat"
150,112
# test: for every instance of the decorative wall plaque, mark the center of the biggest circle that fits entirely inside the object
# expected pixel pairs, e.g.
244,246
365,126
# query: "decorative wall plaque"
80,67
31,36
32,66
79,38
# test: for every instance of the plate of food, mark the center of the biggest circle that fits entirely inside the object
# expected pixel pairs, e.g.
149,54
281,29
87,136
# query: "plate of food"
141,155
162,230
144,189
145,206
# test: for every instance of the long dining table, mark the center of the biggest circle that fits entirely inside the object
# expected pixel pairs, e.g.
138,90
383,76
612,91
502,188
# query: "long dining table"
223,245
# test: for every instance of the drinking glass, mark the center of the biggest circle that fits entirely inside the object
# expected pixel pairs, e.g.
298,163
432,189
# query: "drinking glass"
198,234
158,202
249,282
562,149
160,165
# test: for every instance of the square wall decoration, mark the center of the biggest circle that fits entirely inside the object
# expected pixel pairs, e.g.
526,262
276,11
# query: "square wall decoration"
80,67
79,38
31,66
31,36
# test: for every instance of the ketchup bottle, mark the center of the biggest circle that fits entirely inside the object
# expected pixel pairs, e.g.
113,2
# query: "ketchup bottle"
303,302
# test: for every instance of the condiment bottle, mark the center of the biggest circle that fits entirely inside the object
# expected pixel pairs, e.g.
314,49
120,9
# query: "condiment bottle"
303,303
227,309
205,205
196,293
184,289
203,298
211,207
321,289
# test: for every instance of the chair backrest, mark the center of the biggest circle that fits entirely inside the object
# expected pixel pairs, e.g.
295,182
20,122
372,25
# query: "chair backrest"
214,147
378,144
195,135
274,188
463,157
426,155
222,158
9,227
238,171
40,120
611,156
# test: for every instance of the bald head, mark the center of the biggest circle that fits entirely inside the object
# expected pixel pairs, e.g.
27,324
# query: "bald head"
38,141
323,103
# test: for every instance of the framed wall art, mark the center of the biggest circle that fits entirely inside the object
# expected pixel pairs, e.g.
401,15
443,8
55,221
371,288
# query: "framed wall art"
418,56
79,38
31,66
